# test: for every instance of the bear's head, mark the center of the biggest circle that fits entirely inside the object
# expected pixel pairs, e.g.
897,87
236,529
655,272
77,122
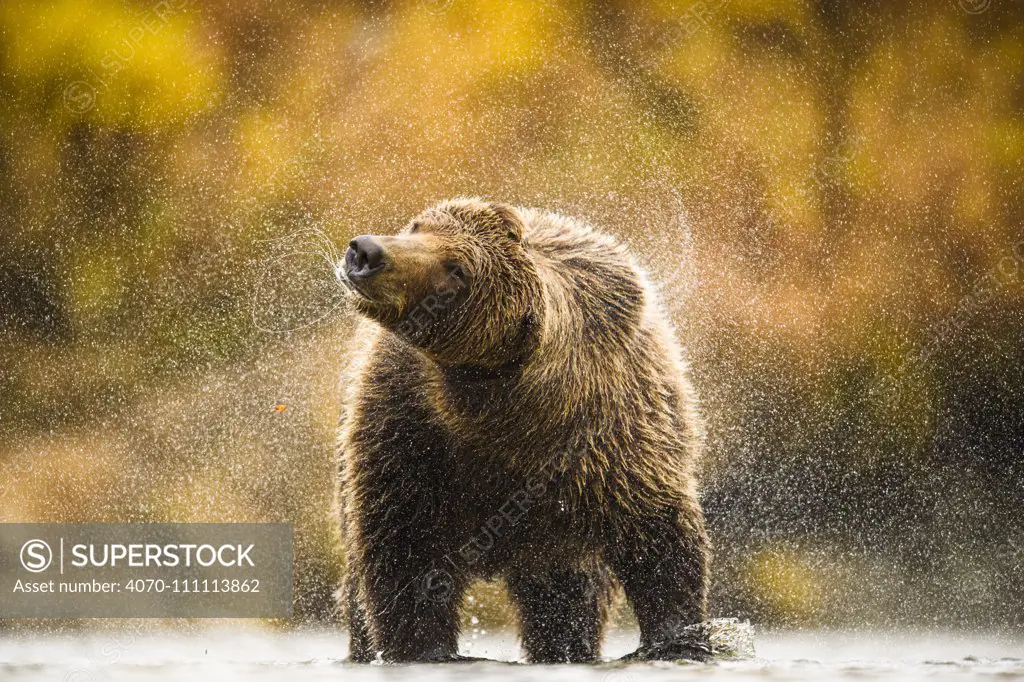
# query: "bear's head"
458,283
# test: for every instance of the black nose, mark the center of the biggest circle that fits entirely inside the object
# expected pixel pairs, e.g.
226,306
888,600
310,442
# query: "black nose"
365,257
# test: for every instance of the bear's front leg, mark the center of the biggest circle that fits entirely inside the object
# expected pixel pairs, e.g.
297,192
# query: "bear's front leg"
412,607
360,647
661,558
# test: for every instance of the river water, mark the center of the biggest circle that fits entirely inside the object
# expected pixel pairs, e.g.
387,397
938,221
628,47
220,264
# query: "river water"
259,655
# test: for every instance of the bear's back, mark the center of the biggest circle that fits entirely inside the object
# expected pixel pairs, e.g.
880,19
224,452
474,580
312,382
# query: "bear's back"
570,240
598,293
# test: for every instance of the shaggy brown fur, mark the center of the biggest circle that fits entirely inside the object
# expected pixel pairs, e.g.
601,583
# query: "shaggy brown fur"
518,409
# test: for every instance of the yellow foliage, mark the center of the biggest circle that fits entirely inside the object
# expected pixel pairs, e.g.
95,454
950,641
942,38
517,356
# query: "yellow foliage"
786,582
112,65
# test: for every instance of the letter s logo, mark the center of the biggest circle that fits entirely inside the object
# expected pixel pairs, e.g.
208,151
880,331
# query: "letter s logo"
36,556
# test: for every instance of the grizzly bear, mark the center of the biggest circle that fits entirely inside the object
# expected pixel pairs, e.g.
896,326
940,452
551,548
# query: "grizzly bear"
517,408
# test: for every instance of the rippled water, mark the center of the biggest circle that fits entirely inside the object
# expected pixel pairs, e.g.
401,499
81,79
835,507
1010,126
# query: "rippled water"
318,656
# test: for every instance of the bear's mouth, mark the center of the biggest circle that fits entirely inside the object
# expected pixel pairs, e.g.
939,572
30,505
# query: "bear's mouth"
373,307
340,274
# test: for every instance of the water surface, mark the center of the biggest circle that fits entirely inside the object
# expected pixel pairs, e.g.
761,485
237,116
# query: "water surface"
258,655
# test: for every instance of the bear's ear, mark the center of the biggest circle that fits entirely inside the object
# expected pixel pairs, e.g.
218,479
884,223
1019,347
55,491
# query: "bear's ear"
510,221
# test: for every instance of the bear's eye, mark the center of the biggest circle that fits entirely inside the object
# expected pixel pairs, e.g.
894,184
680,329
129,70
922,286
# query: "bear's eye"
514,236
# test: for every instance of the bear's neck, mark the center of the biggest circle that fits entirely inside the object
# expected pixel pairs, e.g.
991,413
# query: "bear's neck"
467,376
526,403
479,380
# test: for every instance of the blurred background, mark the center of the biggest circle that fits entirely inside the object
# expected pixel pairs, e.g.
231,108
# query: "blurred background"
829,192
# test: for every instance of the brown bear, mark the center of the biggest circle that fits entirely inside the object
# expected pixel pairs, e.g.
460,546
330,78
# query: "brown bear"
517,408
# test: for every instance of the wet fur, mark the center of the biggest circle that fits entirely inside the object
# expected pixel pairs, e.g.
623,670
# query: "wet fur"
547,423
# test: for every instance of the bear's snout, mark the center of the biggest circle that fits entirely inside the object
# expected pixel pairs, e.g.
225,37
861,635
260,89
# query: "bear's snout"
364,258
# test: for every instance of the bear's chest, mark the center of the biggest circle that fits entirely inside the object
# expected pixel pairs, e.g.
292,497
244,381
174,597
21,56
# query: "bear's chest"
521,520
537,412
